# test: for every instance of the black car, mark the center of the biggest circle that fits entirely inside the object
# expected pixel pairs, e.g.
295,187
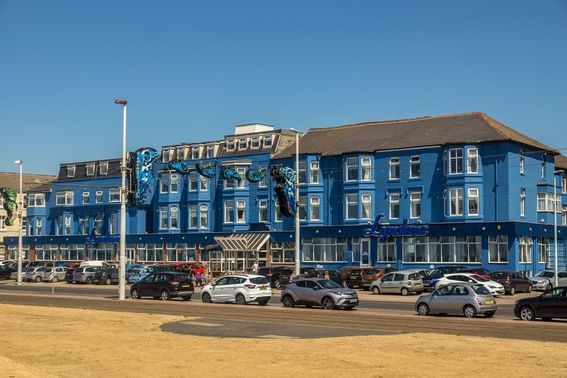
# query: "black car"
277,275
107,276
164,285
513,282
551,304
5,272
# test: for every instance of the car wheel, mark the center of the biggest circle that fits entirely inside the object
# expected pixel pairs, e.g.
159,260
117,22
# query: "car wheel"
489,314
549,287
375,290
240,299
469,312
206,298
512,290
405,291
89,280
328,303
55,279
288,301
134,294
277,284
527,313
38,279
263,302
530,289
164,296
423,309
108,281
186,298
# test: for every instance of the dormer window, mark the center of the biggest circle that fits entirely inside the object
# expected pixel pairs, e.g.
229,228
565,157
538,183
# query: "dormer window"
195,153
90,169
267,141
70,171
230,145
255,143
103,168
180,153
210,151
167,155
243,144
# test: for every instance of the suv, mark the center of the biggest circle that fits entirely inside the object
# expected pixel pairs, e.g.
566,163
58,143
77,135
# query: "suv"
277,275
512,282
85,274
361,277
318,292
34,273
402,282
544,280
54,274
239,289
106,276
163,285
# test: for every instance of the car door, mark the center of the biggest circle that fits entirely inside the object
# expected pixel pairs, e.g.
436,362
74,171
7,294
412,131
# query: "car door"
160,283
550,303
457,298
386,283
313,292
299,290
439,299
232,286
218,293
145,286
396,283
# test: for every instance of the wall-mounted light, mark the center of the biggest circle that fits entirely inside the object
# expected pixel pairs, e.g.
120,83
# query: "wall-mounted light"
483,228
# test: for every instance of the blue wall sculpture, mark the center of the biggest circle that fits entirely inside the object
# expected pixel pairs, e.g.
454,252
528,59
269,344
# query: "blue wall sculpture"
206,170
180,166
285,189
145,157
231,174
254,175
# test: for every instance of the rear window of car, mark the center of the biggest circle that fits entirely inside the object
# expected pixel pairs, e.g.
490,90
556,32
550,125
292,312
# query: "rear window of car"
480,289
414,276
259,280
181,277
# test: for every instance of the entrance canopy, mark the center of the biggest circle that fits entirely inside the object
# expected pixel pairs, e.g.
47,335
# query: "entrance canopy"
249,242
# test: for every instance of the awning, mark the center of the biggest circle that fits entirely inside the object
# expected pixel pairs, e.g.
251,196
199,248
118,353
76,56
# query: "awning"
250,242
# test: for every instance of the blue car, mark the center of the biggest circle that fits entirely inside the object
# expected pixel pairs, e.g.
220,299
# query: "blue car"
431,279
137,274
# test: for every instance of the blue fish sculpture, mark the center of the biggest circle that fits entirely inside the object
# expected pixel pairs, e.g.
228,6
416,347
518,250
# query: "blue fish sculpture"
254,175
206,170
231,173
145,157
179,166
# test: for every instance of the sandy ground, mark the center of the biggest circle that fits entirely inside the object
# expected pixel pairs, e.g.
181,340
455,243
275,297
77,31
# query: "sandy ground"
46,342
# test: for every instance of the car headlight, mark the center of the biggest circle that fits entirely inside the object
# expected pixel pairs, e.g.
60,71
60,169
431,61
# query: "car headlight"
336,293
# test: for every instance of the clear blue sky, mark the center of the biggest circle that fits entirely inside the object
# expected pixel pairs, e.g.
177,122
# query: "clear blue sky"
191,70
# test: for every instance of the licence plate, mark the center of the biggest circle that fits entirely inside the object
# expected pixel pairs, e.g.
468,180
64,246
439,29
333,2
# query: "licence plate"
489,302
262,287
185,285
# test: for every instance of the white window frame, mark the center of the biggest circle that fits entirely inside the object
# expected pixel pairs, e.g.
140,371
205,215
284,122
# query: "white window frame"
242,144
474,195
351,166
210,151
564,183
86,198
366,168
103,168
545,202
455,161
164,183
34,200
98,196
496,245
302,207
67,224
522,163
525,244
472,160
314,172
114,195
415,161
394,168
522,202
193,181
255,143
71,171
262,210
415,203
204,216
241,211
203,184
195,152
193,216
315,204
90,169
163,218
278,217
267,141
64,198
229,216
230,145
351,206
174,218
456,194
173,183
394,203
366,204
302,172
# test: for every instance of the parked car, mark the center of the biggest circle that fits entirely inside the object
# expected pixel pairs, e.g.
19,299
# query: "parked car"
34,273
239,289
483,272
544,280
551,304
137,274
5,272
107,276
361,277
494,287
69,275
319,292
334,275
276,275
54,274
163,285
469,299
430,280
402,282
513,282
85,274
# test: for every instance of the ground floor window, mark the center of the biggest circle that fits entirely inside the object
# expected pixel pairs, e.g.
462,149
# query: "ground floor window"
13,252
387,250
498,249
72,252
102,252
543,248
150,252
324,249
283,252
181,252
444,249
361,250
46,252
525,249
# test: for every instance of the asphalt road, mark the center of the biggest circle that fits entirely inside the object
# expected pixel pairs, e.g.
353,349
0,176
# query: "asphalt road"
372,317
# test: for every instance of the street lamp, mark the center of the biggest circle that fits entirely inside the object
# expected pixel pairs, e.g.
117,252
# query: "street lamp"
297,236
20,216
123,193
555,269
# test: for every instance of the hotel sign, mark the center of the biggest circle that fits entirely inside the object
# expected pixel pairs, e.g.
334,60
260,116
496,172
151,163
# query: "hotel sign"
383,231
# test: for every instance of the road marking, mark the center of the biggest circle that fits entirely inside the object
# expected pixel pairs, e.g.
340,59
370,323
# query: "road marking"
277,337
203,324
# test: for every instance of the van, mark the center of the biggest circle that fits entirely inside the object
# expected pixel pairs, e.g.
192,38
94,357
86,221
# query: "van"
97,263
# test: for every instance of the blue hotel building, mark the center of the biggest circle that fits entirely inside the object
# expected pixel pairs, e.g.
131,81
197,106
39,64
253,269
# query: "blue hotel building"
413,193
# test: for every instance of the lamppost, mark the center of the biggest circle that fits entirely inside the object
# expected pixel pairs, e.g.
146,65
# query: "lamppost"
297,236
555,270
20,217
123,194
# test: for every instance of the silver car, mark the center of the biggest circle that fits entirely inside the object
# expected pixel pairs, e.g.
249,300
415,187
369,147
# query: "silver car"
543,280
402,282
85,274
318,292
34,274
53,276
469,299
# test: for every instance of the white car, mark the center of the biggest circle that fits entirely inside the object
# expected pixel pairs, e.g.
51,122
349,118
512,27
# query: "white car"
239,289
494,287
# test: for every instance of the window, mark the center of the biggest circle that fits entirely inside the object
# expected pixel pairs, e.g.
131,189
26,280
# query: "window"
174,217
455,161
113,224
64,198
366,200
229,211
98,196
68,224
545,202
302,207
2,222
267,141
351,168
456,201
195,153
84,225
203,183
324,249
70,171
415,205
98,224
263,210
114,195
542,250
282,253
90,169
415,166
240,211
351,206
394,171
86,198
255,143
387,250
394,205
564,215
35,200
314,172
525,249
230,145
522,202
564,183
204,216
103,168
164,183
163,218
315,208
166,155
193,181
174,183
192,216
366,167
38,226
181,153
277,212
498,249
301,172
473,201
263,182
360,250
472,160
210,152
522,163
243,144
543,166
242,183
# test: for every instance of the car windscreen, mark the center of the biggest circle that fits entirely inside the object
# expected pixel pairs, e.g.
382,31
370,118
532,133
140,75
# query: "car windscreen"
259,280
328,284
414,276
480,289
